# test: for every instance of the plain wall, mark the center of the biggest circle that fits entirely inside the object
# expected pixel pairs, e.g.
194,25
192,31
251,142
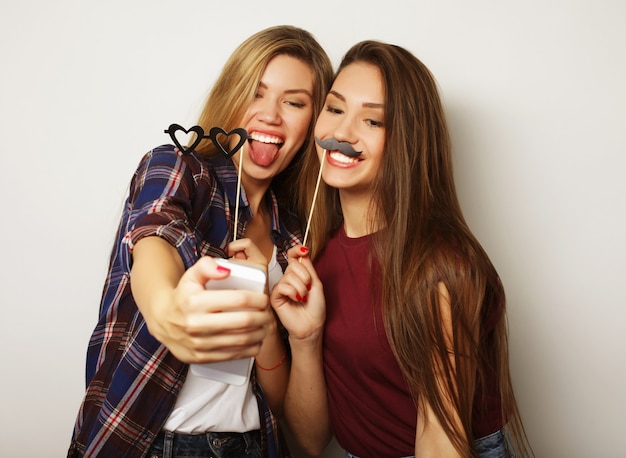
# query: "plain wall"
536,98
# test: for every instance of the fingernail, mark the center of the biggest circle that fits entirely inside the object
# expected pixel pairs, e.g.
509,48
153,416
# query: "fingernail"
298,298
223,269
304,249
308,287
306,298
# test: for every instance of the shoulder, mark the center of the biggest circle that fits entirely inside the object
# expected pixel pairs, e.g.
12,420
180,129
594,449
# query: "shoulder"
466,270
457,243
169,154
454,253
165,170
167,160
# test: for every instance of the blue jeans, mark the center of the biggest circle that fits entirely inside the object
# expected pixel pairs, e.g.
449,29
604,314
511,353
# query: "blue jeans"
491,446
494,445
206,445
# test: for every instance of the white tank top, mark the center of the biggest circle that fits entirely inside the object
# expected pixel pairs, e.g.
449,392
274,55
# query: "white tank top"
208,405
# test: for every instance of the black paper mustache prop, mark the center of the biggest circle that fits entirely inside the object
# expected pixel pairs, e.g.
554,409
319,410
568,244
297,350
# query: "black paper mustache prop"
332,144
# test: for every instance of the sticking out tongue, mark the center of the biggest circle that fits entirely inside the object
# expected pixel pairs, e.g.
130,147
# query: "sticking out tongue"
263,154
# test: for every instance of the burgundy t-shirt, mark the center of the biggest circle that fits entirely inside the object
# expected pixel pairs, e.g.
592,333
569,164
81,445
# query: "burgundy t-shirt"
371,410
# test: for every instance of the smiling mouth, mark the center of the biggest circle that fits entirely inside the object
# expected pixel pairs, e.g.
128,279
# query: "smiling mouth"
342,158
267,139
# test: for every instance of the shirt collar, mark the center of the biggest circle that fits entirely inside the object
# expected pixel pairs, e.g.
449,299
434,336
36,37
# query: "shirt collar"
284,233
227,174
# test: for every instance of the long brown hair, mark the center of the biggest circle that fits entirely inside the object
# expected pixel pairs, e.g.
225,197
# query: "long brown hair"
237,84
425,241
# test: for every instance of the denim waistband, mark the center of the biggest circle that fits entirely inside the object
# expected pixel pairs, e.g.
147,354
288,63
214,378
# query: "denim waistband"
493,445
168,444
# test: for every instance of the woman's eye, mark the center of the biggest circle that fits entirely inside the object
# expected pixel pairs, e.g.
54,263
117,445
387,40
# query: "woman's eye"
374,123
333,110
295,104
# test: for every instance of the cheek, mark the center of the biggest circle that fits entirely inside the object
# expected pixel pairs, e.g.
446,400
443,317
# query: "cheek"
379,147
376,152
321,125
317,131
247,116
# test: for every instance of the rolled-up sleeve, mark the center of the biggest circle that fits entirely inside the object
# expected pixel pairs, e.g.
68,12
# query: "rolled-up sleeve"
159,203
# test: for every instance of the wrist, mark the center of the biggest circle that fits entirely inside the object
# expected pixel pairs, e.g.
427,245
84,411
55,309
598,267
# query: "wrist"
311,341
279,363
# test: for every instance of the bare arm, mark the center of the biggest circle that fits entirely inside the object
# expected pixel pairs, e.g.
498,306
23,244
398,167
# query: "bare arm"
306,403
273,366
431,439
299,302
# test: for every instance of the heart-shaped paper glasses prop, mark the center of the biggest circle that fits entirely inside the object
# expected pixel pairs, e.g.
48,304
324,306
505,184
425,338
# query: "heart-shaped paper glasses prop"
215,131
174,129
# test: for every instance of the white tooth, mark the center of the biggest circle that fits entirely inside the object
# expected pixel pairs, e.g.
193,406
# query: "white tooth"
265,138
339,157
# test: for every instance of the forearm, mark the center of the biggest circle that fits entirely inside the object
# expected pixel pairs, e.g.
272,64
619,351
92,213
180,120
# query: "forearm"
272,368
157,269
306,401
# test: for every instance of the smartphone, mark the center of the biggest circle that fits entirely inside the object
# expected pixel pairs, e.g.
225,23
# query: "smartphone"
242,277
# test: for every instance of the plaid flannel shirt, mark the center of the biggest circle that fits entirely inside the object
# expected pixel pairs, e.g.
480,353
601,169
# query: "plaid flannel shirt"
132,379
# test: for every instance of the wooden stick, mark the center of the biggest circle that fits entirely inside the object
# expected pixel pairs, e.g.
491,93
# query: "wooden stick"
317,186
238,193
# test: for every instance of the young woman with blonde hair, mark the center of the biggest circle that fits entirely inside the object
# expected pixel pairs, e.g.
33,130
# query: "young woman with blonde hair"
156,318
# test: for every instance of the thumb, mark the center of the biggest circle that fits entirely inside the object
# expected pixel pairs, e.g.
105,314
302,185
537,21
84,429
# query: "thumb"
205,269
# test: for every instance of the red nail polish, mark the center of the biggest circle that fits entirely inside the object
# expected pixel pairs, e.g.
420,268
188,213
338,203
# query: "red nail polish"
298,298
223,269
304,249
308,287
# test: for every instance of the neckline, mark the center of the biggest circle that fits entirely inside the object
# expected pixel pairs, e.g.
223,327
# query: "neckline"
352,241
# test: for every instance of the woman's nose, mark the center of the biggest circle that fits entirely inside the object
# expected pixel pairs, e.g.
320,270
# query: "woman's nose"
344,131
268,111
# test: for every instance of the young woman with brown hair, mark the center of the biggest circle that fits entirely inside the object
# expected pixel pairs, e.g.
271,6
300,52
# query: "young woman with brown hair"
396,315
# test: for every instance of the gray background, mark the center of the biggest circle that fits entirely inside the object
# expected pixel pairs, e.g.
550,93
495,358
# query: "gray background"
536,100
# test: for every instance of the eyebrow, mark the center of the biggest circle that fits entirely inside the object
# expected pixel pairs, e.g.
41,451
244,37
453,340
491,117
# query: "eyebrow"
365,104
289,91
